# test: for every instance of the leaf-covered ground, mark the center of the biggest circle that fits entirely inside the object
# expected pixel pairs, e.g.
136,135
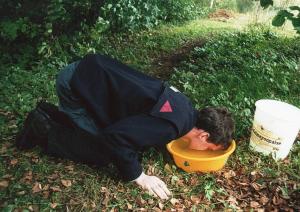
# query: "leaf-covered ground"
36,182
31,181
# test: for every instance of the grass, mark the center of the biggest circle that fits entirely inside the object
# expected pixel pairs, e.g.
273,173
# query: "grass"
35,181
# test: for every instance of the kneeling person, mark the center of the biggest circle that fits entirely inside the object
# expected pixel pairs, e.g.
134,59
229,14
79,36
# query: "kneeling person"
108,112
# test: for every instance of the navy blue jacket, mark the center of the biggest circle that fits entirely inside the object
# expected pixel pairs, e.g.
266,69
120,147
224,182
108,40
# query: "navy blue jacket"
134,111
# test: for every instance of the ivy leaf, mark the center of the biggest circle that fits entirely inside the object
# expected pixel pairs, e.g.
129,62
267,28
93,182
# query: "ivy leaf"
295,8
266,3
296,22
280,18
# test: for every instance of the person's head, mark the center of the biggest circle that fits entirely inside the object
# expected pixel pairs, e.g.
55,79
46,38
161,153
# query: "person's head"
213,130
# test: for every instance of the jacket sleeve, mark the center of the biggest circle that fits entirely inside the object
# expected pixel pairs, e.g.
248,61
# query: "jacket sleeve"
123,155
125,138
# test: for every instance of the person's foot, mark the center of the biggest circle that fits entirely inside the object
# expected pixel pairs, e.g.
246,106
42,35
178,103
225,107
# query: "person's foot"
35,130
56,115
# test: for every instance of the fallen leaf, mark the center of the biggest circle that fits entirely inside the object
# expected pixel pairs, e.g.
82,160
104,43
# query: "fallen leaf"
13,126
13,162
53,205
193,181
263,200
188,203
174,180
232,200
53,176
277,200
121,189
256,186
28,154
4,184
20,193
195,199
73,202
46,187
34,208
55,188
244,204
243,184
140,201
168,168
35,159
27,177
180,182
185,190
3,150
229,174
36,188
156,209
174,201
93,204
66,183
105,201
150,201
69,168
104,190
46,194
129,206
254,204
231,182
151,170
253,173
6,176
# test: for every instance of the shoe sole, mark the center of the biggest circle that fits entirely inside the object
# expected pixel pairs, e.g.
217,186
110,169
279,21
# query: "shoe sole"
23,140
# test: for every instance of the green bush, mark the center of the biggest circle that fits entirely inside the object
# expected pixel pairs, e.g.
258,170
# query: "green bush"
131,14
30,29
134,14
31,20
244,6
237,69
226,4
46,17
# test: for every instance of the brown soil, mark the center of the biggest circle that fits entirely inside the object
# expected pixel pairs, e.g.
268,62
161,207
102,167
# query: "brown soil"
221,15
164,66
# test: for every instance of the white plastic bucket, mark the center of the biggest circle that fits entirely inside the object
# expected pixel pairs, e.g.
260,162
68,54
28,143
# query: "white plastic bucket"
275,127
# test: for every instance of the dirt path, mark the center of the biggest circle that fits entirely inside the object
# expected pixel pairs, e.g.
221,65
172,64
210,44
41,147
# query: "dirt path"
164,66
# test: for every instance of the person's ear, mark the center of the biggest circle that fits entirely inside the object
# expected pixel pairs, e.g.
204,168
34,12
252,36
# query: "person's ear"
203,135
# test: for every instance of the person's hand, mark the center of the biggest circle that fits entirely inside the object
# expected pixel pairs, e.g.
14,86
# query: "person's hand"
154,185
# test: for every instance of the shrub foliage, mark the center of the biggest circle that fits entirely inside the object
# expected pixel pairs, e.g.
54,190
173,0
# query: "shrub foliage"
32,19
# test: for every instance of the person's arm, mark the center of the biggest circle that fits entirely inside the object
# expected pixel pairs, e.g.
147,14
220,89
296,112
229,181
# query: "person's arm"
129,135
123,154
126,160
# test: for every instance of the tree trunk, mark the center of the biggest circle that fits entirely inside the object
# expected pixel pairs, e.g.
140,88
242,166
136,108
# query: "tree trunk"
211,3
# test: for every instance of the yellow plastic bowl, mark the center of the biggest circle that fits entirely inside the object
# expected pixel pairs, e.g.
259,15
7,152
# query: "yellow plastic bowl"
198,161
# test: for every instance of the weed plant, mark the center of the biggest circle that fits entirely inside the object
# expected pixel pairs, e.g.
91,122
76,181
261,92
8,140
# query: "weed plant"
237,69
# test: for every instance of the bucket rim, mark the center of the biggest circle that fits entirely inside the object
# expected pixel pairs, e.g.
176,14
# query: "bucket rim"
261,101
228,152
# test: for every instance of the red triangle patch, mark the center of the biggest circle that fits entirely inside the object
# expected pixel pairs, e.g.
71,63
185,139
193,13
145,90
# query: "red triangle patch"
166,107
